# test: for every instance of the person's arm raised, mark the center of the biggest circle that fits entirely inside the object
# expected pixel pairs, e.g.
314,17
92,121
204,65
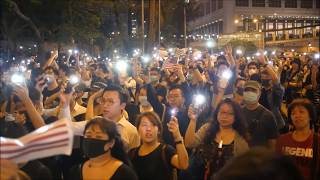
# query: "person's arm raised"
229,56
53,56
181,159
190,136
90,105
22,93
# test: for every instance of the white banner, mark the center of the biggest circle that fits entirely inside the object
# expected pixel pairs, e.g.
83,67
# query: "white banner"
50,140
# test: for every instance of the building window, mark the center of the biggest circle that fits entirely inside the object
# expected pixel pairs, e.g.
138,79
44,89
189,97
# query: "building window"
208,7
220,27
242,3
258,3
274,3
202,9
270,26
306,4
290,4
213,5
220,4
317,3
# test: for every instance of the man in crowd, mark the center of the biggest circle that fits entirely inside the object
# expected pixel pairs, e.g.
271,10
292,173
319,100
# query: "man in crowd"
262,125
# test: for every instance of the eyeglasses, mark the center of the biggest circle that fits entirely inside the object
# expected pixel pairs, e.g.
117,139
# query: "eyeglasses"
226,113
104,101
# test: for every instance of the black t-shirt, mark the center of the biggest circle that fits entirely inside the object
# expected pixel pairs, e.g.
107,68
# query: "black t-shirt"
47,93
262,125
124,172
153,166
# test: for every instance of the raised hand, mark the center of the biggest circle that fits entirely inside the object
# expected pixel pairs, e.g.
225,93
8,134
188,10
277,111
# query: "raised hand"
173,127
40,85
21,92
192,113
228,49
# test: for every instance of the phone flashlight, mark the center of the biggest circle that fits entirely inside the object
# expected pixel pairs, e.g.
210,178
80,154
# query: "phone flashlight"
199,100
73,79
226,74
17,79
173,112
121,65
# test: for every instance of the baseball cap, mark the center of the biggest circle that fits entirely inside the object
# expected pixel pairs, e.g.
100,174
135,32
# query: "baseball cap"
252,84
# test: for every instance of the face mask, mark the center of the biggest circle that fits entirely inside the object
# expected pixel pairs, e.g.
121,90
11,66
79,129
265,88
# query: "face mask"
250,97
252,71
93,147
87,83
154,78
142,99
265,82
240,91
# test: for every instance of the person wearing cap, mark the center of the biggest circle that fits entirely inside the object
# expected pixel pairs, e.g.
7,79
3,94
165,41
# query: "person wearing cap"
261,122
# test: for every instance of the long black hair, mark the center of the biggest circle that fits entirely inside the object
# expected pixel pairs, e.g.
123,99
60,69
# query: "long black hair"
238,125
110,128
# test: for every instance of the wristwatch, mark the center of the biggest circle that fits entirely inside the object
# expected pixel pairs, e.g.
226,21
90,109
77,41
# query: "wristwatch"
179,142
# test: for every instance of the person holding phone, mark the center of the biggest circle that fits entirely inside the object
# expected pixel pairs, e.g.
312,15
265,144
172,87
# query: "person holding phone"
153,159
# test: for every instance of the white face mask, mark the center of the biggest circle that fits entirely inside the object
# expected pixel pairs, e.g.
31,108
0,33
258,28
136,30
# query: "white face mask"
87,83
250,97
252,71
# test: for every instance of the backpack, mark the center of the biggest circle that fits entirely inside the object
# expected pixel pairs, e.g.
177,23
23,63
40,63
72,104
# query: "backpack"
173,174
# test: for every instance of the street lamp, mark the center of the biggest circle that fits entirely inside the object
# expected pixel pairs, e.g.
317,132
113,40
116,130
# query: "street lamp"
236,21
185,22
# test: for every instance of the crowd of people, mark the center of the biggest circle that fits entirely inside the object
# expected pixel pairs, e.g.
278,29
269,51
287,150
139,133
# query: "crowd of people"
178,115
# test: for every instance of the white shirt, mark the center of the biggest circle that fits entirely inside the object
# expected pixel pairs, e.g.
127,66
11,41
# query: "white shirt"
77,110
128,132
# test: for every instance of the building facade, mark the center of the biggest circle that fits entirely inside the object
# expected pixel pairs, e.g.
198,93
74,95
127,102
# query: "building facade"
277,20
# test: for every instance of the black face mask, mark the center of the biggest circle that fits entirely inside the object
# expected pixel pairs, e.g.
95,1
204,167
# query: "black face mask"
240,91
265,82
94,147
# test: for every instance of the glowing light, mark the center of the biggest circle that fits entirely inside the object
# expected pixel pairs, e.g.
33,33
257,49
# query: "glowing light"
17,79
227,74
239,51
210,44
74,79
199,99
121,65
